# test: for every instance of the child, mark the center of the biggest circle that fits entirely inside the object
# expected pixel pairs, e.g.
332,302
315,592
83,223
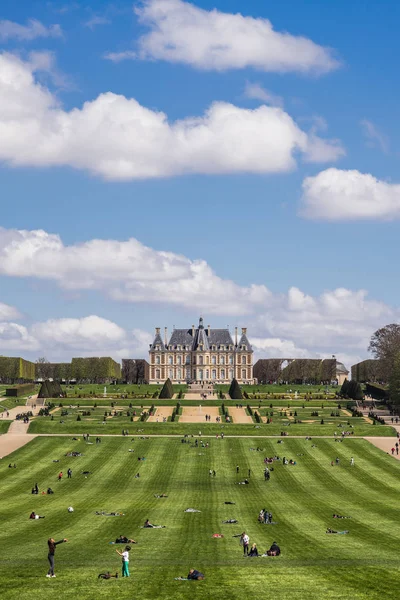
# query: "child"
125,561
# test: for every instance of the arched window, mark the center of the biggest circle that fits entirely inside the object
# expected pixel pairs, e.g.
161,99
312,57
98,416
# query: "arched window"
157,360
243,360
222,360
213,360
179,360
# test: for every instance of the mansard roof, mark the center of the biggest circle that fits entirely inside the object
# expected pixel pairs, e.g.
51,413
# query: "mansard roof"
200,336
244,341
158,342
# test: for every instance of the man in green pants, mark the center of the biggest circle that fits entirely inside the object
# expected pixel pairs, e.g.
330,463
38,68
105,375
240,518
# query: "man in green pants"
125,561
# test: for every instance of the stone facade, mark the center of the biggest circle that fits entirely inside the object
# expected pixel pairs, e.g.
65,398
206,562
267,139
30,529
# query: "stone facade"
202,355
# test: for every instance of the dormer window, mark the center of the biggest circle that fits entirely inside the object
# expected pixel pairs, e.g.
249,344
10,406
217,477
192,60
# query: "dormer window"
158,348
244,347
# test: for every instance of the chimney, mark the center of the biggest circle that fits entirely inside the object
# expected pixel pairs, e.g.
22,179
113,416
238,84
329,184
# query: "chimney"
236,330
193,330
165,335
208,330
244,330
157,331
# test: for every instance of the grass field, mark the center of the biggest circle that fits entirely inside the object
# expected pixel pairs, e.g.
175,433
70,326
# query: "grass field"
302,498
4,425
95,424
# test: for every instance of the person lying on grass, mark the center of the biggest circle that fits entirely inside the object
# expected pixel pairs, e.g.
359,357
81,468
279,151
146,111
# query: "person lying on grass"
149,525
329,530
273,551
107,576
160,496
33,515
122,539
339,517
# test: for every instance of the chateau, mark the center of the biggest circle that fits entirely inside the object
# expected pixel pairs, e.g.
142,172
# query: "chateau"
201,355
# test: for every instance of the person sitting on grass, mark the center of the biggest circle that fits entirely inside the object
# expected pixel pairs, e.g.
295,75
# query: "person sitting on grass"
273,551
253,550
122,539
147,524
194,574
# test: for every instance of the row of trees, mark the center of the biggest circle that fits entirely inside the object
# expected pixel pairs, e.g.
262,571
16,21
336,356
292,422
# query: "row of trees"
299,370
15,370
84,370
385,346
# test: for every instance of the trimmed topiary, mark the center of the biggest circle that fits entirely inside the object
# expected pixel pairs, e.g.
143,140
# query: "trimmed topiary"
235,391
167,390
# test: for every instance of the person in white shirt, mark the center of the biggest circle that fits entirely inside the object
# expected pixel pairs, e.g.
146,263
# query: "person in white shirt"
244,541
125,561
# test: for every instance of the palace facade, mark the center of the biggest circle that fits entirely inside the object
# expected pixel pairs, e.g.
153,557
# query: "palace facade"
201,354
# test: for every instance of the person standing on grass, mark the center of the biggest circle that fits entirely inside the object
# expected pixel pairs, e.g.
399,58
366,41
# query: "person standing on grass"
69,473
52,549
60,476
352,461
244,541
125,561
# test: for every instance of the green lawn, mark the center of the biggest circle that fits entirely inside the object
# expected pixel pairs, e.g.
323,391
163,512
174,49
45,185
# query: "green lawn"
7,403
4,425
302,498
95,424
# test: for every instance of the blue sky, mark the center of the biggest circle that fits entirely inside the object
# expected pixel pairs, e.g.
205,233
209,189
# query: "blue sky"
265,196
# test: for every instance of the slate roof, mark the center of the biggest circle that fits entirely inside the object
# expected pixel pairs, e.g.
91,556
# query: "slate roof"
244,341
340,368
184,338
158,342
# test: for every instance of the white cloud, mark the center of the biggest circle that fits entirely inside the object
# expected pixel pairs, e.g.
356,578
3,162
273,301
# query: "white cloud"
95,21
375,138
117,138
256,91
277,348
126,271
181,32
7,312
61,339
337,195
32,30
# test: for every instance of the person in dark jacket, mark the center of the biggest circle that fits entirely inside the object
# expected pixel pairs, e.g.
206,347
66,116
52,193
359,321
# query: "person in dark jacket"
274,550
193,574
253,551
52,549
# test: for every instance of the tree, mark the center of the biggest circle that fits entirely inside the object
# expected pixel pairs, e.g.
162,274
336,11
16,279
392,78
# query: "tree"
385,345
344,388
43,368
235,391
394,381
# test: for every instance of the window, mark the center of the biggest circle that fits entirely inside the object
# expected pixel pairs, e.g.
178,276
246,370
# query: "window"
243,360
171,373
222,360
188,360
230,359
179,374
222,373
179,347
200,360
213,360
214,374
244,348
170,360
179,359
243,373
157,360
231,374
158,374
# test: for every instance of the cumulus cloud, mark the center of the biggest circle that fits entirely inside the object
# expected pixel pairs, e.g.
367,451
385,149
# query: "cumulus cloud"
117,138
256,91
61,339
337,195
95,21
7,312
32,30
181,32
126,271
